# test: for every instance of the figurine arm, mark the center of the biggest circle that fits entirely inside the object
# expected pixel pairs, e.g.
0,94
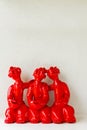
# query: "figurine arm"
33,104
27,84
10,98
45,97
29,95
66,94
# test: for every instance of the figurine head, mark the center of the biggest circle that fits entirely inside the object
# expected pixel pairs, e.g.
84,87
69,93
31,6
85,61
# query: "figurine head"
14,73
39,74
53,72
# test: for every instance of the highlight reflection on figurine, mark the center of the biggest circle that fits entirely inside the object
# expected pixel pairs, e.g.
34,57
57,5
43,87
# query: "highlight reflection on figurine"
17,111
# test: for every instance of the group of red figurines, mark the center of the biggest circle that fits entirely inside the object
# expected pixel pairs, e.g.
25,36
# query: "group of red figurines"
38,98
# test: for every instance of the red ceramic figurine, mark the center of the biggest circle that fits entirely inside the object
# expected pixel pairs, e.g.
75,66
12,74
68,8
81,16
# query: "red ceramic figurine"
38,97
61,111
17,110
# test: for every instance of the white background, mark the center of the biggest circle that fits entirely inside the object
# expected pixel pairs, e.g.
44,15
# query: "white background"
36,33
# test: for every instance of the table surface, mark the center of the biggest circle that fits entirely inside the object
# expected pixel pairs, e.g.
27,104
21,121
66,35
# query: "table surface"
79,125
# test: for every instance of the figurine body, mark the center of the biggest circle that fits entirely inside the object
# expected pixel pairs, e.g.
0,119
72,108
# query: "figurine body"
38,97
61,111
17,111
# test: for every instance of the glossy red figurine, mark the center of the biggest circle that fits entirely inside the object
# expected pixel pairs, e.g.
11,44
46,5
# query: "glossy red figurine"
17,110
38,98
61,111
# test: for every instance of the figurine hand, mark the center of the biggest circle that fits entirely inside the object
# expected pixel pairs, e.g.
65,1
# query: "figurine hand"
35,105
12,103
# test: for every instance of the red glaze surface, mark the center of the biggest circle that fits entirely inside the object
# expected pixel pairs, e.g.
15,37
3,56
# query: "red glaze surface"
38,97
61,111
17,111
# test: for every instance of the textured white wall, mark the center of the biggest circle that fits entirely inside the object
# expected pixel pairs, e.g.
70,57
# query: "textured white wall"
36,33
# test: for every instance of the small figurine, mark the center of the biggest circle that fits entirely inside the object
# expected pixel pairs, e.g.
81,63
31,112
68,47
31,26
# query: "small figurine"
17,110
38,97
61,111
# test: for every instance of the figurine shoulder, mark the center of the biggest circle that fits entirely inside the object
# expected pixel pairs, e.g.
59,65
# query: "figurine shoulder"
65,87
10,90
64,84
30,83
10,87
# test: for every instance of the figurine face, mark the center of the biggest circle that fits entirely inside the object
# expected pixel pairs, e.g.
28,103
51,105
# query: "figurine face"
39,74
53,72
14,72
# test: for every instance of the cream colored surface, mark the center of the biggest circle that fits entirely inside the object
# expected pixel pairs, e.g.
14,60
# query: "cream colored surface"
37,33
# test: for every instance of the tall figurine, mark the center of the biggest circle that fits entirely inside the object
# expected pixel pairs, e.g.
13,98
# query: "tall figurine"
38,97
17,111
60,111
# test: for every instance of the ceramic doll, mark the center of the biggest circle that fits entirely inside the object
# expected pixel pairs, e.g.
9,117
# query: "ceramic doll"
17,111
61,111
